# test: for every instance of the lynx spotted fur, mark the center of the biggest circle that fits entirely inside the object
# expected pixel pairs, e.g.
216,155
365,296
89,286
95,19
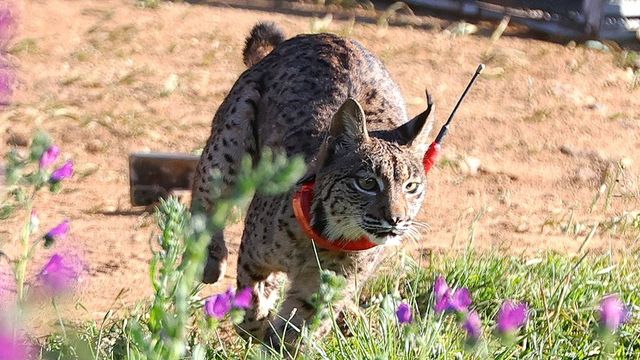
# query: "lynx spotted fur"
331,101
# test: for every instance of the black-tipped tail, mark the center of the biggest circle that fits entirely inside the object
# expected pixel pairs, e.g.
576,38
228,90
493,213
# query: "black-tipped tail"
263,39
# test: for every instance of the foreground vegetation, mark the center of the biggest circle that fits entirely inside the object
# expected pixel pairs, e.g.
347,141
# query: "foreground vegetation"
402,314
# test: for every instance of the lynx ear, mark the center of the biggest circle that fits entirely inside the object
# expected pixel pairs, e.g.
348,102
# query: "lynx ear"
349,121
415,132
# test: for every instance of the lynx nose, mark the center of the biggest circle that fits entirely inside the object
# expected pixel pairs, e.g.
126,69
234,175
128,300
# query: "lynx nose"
394,222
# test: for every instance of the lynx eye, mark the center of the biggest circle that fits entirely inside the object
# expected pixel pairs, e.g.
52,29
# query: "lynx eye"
411,187
368,184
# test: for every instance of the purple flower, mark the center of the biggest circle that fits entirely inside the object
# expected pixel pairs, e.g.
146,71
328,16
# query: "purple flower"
613,313
60,231
7,25
61,173
448,300
218,306
404,314
473,326
440,287
7,80
49,156
511,316
7,285
13,348
242,300
59,274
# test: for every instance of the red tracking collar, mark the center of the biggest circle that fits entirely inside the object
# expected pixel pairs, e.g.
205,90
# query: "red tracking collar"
302,209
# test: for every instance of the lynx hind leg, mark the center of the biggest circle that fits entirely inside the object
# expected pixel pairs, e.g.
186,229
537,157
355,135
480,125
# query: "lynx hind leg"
232,136
259,268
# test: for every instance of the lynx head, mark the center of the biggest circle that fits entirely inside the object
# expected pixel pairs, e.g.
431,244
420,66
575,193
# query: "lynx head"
370,184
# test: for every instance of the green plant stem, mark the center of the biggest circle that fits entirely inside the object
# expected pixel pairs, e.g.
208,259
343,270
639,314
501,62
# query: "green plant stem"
55,307
21,264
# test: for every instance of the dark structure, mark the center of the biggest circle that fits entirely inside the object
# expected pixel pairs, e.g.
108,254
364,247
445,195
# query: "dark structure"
574,19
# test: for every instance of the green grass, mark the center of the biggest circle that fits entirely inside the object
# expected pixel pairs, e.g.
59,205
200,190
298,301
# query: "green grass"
562,293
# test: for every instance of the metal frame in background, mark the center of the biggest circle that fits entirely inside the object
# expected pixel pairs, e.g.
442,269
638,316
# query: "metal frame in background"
573,19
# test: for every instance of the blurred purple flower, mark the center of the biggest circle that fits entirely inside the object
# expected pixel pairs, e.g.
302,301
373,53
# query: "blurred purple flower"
60,231
473,326
7,24
511,316
458,301
7,80
404,314
59,274
49,156
7,284
440,287
12,348
218,306
61,173
242,300
613,313
448,300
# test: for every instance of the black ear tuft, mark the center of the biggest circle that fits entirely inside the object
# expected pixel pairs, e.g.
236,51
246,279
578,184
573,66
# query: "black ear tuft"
415,131
307,178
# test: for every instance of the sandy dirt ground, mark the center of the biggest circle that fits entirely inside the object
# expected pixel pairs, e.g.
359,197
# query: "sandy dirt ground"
547,121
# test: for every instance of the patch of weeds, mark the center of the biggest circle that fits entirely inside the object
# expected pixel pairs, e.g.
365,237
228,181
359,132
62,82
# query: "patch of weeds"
84,54
538,116
629,59
102,14
566,223
626,58
70,80
320,25
390,12
25,46
626,224
123,34
348,4
208,58
149,4
617,116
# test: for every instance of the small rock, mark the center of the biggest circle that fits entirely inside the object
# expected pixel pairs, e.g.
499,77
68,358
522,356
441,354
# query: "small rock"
492,71
94,146
170,85
110,209
585,175
567,150
626,162
522,228
87,169
17,139
596,45
469,165
462,28
139,238
597,106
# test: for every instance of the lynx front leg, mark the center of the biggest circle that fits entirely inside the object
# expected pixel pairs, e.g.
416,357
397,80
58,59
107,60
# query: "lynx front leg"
265,294
232,137
298,311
